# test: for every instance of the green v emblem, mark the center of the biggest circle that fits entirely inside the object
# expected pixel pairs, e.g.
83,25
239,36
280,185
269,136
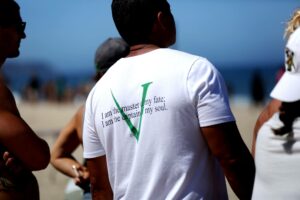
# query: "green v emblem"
133,129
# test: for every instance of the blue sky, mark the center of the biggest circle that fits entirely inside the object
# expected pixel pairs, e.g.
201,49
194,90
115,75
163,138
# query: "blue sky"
231,33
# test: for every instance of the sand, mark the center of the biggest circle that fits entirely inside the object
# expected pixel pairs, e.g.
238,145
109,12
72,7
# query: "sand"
46,119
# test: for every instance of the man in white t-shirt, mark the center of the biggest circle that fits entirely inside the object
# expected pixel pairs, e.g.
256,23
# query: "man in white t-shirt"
158,124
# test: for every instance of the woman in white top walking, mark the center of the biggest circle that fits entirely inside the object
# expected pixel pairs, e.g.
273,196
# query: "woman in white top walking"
277,152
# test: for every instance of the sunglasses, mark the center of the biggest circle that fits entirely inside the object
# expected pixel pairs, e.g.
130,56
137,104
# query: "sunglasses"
20,26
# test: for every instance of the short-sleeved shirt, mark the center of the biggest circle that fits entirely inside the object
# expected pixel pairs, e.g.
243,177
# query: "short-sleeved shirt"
145,115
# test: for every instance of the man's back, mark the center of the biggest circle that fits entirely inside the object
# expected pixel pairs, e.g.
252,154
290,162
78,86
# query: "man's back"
189,105
158,152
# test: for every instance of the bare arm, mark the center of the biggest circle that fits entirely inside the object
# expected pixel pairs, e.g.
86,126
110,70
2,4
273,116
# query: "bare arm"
227,146
266,114
17,137
68,140
100,185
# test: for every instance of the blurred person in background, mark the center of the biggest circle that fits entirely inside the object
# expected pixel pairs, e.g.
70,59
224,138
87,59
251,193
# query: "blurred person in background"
23,151
277,152
257,89
274,104
158,124
70,136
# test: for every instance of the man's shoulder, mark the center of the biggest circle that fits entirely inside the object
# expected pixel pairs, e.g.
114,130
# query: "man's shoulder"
5,93
184,56
181,53
7,101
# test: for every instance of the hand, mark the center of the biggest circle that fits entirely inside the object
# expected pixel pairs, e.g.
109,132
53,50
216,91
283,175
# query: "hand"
12,164
83,178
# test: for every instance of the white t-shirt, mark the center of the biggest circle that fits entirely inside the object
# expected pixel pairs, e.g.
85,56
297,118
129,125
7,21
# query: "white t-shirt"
277,160
158,152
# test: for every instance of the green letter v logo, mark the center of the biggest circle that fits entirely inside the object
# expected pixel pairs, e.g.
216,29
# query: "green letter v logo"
134,131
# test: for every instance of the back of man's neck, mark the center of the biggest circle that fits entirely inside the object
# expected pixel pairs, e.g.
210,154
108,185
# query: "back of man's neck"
141,49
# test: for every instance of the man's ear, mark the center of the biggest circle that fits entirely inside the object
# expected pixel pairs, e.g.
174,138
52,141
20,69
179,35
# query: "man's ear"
160,23
161,20
156,25
162,30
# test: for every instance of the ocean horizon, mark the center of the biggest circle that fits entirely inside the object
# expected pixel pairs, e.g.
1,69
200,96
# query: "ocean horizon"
240,80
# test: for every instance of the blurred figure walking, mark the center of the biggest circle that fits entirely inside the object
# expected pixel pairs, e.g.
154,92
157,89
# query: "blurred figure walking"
277,153
274,104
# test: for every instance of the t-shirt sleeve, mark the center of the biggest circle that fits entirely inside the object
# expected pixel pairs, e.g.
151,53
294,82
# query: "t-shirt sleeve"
208,93
92,146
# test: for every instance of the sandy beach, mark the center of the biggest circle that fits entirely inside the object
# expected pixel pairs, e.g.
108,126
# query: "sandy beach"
46,119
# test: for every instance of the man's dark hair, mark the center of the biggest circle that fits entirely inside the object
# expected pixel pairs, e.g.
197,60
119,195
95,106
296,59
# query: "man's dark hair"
134,19
8,10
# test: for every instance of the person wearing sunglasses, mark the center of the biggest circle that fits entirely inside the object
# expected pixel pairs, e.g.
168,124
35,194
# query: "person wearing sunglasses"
23,151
